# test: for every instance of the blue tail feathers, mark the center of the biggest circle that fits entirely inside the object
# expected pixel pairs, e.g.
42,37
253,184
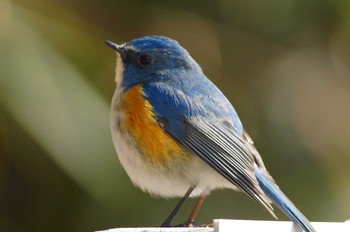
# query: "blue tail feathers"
281,200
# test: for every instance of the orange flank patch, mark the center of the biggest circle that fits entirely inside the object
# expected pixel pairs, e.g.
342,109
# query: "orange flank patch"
139,121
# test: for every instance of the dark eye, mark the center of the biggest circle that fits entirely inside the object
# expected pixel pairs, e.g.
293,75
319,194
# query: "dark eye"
144,59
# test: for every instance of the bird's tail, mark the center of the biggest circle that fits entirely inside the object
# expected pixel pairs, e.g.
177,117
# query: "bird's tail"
281,200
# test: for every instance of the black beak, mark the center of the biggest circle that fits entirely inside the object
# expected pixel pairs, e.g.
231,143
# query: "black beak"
118,48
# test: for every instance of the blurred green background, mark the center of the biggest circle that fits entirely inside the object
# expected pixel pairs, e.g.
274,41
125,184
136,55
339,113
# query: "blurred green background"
284,64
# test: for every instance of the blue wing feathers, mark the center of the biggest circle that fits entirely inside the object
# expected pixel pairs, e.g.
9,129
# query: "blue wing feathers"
179,99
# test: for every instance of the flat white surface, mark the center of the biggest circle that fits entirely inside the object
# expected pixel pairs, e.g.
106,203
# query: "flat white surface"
223,225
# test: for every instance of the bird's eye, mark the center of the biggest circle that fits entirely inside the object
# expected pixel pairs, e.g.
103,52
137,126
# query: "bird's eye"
144,59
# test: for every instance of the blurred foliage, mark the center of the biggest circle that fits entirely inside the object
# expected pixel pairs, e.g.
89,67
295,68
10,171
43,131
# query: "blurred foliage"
284,64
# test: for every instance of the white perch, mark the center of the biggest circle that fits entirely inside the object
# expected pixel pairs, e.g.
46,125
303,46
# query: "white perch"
223,225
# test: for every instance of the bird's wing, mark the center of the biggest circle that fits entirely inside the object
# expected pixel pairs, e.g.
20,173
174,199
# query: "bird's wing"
210,132
228,153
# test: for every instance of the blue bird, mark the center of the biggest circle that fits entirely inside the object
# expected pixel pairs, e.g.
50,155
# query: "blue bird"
176,134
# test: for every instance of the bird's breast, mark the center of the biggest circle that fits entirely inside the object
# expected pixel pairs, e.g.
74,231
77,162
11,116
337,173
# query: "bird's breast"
137,120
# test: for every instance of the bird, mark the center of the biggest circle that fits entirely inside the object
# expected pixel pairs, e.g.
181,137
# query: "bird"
177,135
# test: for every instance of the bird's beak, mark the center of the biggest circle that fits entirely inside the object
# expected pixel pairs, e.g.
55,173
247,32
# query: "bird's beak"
118,48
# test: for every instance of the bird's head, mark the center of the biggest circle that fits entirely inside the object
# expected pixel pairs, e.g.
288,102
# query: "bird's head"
151,58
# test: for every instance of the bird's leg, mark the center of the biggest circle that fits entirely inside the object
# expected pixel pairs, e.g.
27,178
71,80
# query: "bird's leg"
190,221
171,216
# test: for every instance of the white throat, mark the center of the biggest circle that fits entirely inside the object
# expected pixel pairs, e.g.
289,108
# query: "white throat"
119,71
